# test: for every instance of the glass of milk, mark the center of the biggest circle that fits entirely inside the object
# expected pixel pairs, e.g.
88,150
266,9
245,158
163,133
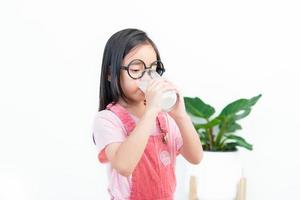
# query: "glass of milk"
169,97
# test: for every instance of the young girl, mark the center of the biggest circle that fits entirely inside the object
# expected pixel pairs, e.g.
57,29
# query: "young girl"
132,134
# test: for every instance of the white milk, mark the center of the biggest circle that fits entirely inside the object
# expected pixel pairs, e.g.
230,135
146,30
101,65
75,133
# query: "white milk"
169,98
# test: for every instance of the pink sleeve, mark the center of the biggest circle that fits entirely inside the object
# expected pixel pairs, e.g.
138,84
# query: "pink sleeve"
176,132
107,129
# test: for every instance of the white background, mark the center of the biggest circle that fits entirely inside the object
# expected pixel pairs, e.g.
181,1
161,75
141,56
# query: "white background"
50,57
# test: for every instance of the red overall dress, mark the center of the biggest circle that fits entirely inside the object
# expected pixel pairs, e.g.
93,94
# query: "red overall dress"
154,176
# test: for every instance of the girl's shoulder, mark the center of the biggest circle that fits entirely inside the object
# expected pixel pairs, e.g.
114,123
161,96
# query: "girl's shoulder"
105,114
107,117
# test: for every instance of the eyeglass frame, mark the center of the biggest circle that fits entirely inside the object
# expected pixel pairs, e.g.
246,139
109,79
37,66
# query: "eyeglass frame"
126,67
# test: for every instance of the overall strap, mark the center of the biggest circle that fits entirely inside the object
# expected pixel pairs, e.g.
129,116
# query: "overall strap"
123,115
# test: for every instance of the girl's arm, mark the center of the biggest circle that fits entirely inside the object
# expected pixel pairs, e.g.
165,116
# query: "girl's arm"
125,156
191,149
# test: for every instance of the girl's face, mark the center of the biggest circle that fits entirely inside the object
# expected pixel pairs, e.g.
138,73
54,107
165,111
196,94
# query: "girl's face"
146,53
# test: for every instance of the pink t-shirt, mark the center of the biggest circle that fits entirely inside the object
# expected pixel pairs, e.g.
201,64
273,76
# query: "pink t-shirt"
107,129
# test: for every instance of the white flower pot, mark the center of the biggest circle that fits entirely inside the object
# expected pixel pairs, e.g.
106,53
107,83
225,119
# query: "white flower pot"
218,175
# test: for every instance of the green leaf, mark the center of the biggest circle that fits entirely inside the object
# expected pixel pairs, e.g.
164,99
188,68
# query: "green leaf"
232,127
239,108
231,146
239,141
210,124
198,108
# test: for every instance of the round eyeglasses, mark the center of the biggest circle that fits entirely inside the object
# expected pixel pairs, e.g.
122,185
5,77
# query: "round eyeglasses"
137,68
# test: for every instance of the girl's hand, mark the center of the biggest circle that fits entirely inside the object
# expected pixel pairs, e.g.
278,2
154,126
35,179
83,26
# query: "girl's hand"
153,94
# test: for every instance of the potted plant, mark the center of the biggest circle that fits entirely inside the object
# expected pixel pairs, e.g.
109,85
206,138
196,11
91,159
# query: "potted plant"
220,171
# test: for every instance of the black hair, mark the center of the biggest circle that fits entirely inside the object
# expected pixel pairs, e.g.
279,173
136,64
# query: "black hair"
117,47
